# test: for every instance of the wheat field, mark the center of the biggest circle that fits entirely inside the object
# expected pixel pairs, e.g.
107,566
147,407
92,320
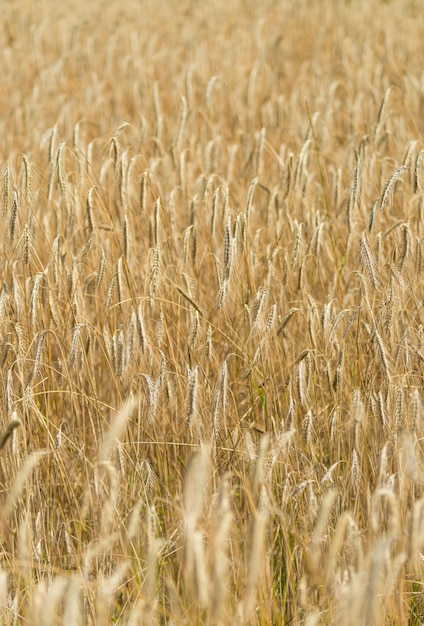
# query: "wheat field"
212,351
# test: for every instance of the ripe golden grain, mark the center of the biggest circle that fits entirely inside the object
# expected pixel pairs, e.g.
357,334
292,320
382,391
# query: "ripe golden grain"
212,275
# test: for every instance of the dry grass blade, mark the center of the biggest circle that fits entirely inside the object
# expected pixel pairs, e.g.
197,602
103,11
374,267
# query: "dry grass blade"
116,429
21,479
189,300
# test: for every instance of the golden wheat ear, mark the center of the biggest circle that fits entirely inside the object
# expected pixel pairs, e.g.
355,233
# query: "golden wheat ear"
7,433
